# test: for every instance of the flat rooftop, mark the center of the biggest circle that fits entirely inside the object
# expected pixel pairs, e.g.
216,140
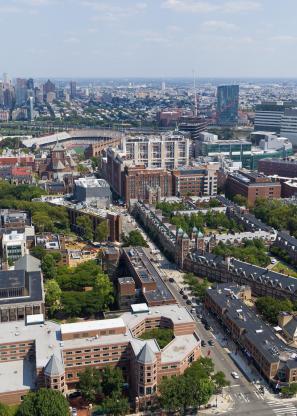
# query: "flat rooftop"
92,325
17,375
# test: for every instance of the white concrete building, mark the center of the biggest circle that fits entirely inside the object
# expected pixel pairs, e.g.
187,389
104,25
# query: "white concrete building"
168,150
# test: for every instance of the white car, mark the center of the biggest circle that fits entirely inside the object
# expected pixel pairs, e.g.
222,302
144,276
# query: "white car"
235,375
74,412
273,261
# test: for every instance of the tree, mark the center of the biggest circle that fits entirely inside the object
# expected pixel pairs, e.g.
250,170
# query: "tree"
270,307
42,222
52,295
240,200
112,381
38,251
173,394
289,391
90,384
134,239
220,381
102,231
45,402
49,267
4,410
86,226
115,405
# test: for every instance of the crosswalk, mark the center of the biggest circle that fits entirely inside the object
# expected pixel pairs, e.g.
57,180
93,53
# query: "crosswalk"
280,408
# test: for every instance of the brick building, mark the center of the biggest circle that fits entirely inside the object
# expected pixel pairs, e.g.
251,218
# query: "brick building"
140,182
196,180
252,186
52,355
270,354
281,167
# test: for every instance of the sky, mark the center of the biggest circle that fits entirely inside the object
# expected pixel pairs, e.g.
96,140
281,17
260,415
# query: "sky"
148,38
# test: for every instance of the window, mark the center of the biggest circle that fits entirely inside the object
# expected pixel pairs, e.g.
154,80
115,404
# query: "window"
148,390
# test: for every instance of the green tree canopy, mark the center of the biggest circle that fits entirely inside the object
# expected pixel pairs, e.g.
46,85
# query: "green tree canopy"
115,405
86,227
112,381
44,402
90,384
4,410
52,295
270,307
49,267
134,239
102,231
38,251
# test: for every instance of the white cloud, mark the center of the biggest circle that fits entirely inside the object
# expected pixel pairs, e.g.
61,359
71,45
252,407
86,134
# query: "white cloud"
284,38
240,6
192,6
71,39
108,12
10,9
214,25
197,6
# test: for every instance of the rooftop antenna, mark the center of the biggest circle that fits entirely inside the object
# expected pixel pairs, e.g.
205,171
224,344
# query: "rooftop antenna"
195,94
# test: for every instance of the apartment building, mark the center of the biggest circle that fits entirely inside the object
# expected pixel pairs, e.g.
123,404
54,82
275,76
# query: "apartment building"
281,167
42,353
168,150
197,180
287,243
263,282
252,186
273,357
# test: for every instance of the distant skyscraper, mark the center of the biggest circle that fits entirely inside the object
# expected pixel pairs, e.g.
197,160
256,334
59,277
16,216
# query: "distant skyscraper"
72,89
163,86
6,80
21,91
227,105
48,87
30,84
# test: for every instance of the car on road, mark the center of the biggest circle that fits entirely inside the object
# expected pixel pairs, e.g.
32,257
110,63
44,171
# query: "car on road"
185,297
188,302
211,342
181,292
193,310
171,280
203,343
235,375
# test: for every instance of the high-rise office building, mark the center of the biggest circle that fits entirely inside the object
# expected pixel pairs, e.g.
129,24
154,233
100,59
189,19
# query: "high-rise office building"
21,90
30,84
269,116
227,105
48,87
72,89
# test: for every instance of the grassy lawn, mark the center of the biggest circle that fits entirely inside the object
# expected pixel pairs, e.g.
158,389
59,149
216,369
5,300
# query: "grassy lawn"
13,410
162,335
283,268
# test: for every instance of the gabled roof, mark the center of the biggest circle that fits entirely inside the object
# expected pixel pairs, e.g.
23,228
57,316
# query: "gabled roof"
58,165
28,263
146,355
54,367
58,147
291,328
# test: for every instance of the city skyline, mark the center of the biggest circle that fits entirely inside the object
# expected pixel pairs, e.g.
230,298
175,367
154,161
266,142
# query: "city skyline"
157,39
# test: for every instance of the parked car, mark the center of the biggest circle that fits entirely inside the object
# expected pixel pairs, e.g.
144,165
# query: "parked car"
235,375
189,302
211,342
203,343
171,280
185,297
207,327
181,292
74,412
